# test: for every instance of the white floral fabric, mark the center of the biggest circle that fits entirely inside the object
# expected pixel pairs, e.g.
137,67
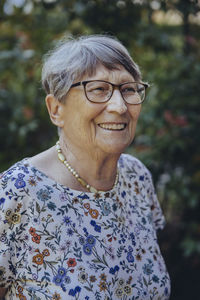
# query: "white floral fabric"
58,243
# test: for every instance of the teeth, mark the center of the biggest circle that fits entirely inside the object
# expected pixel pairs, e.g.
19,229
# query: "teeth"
112,126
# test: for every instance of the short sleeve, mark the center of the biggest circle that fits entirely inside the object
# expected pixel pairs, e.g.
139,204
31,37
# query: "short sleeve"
136,169
157,214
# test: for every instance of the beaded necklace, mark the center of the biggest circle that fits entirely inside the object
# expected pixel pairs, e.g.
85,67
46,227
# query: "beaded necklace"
76,175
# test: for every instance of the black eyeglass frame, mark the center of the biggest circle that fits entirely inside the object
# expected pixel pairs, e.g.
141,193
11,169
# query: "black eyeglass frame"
118,86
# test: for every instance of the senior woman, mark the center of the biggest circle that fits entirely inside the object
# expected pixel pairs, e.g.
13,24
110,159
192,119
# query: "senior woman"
79,220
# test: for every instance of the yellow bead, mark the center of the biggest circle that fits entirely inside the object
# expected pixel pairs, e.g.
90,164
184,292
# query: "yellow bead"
93,190
82,182
61,157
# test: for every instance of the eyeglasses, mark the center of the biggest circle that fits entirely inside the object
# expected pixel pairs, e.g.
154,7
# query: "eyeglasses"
100,91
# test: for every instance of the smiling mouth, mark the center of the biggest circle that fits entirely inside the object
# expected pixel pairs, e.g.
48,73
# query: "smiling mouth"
119,126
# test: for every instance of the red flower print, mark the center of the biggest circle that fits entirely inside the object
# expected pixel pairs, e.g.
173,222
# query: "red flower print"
111,237
20,289
45,252
38,259
87,206
94,213
71,262
56,296
102,286
103,277
36,238
32,181
32,231
22,297
92,278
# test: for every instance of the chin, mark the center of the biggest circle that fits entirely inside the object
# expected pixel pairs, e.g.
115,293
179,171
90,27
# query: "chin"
114,149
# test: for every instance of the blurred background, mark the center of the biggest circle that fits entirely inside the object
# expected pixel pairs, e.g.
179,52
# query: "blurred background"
163,37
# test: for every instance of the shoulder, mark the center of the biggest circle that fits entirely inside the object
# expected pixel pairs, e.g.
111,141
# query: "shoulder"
131,165
14,184
14,176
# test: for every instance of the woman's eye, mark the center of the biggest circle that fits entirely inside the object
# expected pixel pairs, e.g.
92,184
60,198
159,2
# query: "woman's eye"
97,89
140,90
128,90
100,88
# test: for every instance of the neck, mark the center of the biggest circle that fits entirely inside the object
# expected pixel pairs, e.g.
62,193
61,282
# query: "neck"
97,169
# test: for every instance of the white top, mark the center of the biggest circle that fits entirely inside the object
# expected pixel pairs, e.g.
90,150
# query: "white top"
59,243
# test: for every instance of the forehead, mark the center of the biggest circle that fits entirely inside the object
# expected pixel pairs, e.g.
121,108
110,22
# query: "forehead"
117,74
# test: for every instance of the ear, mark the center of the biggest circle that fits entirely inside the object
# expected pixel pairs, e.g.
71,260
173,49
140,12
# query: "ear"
55,110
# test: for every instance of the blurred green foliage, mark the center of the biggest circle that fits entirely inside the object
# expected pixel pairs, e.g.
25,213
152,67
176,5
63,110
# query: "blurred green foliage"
167,140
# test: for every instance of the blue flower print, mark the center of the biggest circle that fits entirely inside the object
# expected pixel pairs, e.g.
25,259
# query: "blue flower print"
70,232
130,257
92,222
77,289
84,196
87,249
67,220
58,280
130,249
43,195
82,240
97,228
123,194
2,200
89,244
114,270
147,269
105,208
20,183
61,272
91,241
73,292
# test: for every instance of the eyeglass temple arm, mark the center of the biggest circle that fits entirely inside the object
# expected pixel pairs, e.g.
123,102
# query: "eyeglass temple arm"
146,85
76,84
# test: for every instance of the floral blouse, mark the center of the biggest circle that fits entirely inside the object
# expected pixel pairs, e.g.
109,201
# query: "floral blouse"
58,243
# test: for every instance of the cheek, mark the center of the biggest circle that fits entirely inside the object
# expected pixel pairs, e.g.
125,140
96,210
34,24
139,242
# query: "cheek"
135,113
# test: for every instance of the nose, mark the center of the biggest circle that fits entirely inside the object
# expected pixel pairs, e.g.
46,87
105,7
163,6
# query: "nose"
116,103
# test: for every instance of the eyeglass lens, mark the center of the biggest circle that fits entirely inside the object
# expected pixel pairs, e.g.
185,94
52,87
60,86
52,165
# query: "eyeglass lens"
100,91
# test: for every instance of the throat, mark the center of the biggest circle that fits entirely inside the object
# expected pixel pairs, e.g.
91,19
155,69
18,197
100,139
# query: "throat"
80,179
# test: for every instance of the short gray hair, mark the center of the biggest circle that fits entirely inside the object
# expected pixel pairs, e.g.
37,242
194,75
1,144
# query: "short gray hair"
72,59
